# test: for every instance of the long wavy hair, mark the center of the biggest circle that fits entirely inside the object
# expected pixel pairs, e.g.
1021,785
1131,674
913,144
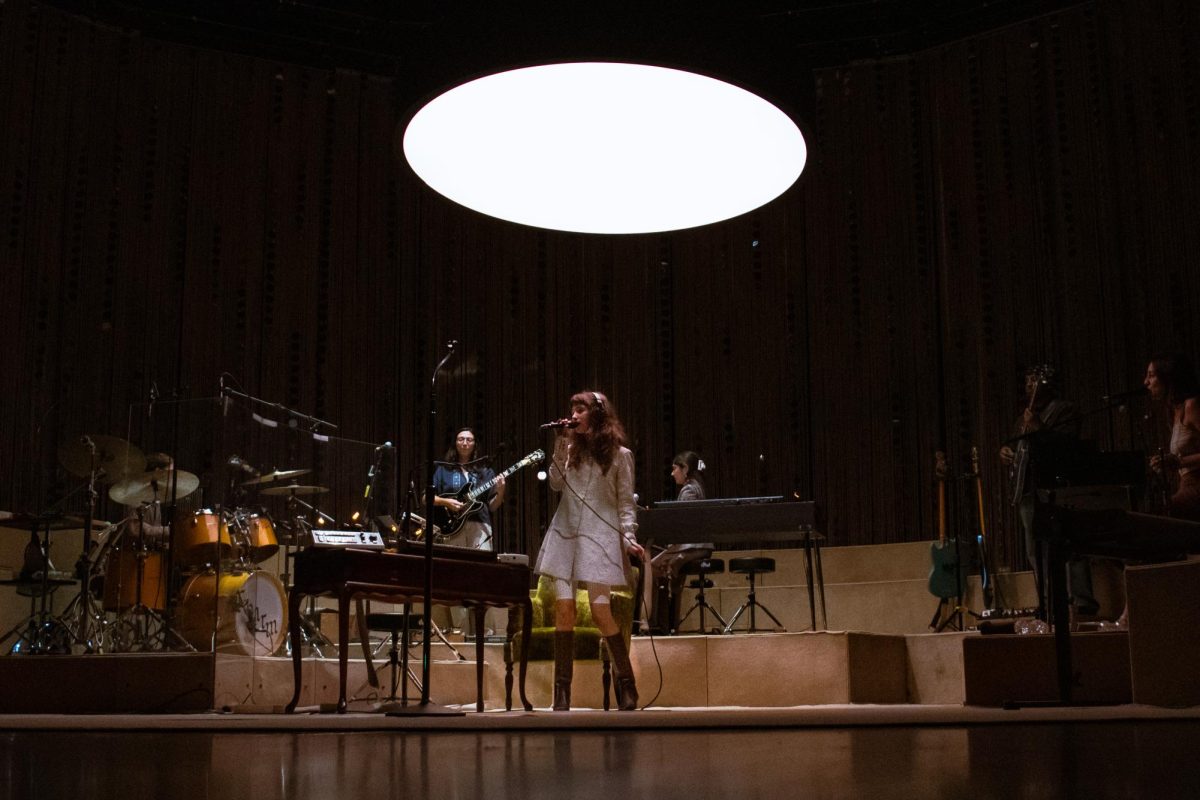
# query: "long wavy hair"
1175,370
694,465
606,434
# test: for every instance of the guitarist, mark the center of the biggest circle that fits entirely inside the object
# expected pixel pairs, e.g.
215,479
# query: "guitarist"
1047,422
458,468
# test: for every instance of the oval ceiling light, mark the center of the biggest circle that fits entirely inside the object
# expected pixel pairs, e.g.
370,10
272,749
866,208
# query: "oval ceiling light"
603,147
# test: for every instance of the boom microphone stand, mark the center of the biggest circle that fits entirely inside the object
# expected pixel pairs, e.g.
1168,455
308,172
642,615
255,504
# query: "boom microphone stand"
425,707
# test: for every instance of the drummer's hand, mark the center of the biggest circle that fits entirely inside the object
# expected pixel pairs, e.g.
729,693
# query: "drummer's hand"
1007,455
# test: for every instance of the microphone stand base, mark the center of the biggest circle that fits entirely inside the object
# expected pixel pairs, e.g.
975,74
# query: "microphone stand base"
420,710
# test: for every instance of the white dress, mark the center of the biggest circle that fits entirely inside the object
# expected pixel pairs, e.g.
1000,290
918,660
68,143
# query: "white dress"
596,516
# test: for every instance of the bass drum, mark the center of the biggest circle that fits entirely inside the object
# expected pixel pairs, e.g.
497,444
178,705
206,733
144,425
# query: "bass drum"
250,606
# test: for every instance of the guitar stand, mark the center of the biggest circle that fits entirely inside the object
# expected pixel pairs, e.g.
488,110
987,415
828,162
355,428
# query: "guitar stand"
957,616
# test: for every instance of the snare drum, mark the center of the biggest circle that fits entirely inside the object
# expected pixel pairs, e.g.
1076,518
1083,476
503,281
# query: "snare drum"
260,543
203,539
250,607
121,583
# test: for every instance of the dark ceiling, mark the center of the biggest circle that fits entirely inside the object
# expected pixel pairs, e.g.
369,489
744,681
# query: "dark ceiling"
391,37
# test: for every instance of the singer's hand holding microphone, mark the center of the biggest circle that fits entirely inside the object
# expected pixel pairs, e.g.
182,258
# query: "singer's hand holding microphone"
560,423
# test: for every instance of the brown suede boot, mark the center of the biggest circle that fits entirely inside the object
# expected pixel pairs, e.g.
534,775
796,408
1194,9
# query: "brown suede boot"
627,696
564,668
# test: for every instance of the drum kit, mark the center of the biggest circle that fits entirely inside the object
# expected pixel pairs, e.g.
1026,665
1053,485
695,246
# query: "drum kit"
226,600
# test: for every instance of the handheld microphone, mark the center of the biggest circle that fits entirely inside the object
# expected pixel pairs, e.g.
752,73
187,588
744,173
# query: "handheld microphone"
560,423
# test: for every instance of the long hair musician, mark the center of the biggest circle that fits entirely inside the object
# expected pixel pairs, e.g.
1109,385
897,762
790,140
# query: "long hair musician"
591,537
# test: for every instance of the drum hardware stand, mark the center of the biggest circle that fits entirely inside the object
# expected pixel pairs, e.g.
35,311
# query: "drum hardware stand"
86,571
145,616
41,626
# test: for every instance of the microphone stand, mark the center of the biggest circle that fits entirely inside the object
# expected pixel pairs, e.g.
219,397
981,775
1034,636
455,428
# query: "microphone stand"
425,707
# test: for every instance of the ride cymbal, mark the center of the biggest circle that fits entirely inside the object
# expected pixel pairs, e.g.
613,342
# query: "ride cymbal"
277,475
155,485
116,457
293,489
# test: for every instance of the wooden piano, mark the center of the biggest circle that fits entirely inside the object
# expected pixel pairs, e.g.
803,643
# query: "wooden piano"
460,577
729,520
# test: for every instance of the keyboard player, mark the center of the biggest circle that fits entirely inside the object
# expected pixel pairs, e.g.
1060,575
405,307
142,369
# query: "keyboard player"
661,595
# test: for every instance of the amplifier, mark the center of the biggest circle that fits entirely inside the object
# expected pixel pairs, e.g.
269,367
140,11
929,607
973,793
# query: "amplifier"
369,539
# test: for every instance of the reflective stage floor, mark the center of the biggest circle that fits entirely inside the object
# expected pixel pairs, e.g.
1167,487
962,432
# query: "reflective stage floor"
1075,756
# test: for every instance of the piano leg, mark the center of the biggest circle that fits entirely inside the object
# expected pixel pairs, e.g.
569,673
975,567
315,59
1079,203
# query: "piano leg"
480,612
343,649
294,638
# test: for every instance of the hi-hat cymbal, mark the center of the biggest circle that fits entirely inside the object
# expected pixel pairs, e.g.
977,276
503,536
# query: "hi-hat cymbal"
155,485
294,489
118,458
277,475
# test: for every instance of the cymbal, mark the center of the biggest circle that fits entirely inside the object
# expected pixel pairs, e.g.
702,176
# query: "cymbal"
154,485
118,458
292,488
44,522
277,475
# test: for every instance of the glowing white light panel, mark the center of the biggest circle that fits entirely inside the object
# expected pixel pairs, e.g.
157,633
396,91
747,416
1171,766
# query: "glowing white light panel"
604,147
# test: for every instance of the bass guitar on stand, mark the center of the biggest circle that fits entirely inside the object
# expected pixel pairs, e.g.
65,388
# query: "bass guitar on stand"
470,495
943,576
985,573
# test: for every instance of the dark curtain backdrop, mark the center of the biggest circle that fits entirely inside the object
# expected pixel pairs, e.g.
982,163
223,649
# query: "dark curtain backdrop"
169,214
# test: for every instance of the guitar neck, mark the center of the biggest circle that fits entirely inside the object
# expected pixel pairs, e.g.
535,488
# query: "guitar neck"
478,491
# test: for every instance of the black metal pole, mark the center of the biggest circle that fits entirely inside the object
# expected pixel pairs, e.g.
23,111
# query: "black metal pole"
430,489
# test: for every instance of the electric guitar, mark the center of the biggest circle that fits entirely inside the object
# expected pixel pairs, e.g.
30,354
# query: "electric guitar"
1020,462
469,495
943,576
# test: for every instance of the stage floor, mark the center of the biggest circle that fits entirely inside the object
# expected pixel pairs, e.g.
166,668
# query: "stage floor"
826,752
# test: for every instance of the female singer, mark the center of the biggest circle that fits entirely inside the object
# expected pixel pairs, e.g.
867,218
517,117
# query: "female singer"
1171,379
591,536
